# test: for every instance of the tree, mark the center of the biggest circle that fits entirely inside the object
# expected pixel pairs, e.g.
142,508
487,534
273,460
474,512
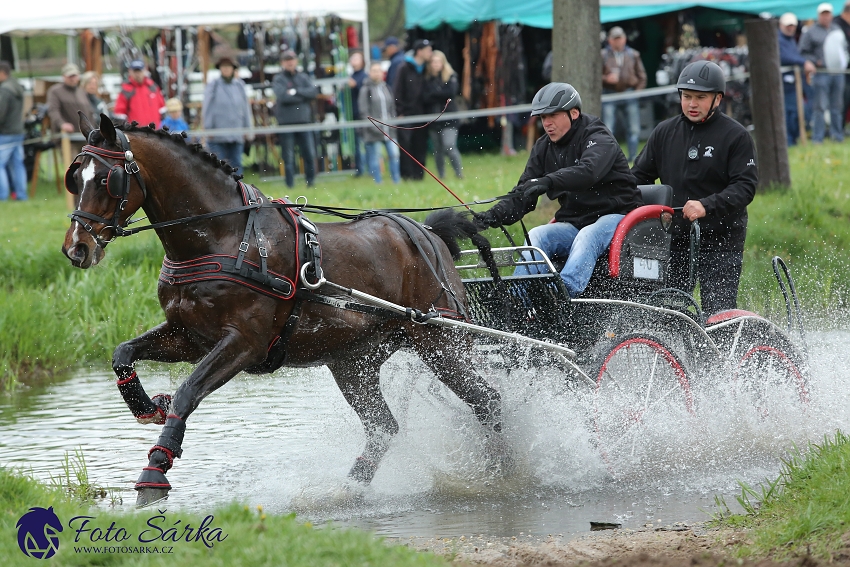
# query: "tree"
576,51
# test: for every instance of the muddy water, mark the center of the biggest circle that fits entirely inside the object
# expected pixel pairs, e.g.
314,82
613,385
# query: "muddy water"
286,441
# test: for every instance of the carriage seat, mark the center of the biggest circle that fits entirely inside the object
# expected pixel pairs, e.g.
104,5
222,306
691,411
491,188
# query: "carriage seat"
638,258
640,234
656,195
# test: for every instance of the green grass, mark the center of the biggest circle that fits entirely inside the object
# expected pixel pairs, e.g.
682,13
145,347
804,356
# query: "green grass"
253,538
54,317
805,511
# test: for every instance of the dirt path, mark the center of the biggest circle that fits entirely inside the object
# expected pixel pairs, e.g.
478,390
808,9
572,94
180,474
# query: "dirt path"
677,545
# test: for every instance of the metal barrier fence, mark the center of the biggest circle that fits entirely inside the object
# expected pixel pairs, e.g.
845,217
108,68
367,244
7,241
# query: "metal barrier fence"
419,119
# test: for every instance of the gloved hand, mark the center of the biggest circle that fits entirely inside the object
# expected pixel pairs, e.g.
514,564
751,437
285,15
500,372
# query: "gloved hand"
533,188
485,220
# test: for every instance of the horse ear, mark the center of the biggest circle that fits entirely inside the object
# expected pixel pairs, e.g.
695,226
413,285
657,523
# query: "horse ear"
85,124
107,128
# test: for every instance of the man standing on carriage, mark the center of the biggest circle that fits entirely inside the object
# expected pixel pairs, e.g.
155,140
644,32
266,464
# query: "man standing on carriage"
710,161
578,163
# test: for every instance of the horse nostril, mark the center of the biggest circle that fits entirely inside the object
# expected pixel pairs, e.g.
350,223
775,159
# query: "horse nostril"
80,252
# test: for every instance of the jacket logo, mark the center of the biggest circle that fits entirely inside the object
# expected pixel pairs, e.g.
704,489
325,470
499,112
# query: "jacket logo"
751,162
591,143
708,150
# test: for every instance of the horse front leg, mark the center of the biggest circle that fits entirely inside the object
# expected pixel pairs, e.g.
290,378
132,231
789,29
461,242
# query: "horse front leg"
164,343
231,355
359,381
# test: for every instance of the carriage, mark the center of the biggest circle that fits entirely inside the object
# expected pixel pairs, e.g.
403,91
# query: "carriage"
640,346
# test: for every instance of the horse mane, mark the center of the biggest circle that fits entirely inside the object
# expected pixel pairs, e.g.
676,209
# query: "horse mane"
178,138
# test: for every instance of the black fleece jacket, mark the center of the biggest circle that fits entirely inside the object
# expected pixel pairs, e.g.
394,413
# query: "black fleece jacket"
589,177
720,173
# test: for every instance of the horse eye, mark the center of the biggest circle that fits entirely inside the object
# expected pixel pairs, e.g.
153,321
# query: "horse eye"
103,182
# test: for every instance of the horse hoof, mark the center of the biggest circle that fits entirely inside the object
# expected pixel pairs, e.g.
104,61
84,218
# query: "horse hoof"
363,470
148,496
163,407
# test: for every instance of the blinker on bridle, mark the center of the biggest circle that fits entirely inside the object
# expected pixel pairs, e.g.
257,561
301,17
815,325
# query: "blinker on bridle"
117,184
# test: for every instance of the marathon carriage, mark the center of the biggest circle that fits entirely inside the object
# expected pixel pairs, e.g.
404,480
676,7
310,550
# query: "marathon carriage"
640,346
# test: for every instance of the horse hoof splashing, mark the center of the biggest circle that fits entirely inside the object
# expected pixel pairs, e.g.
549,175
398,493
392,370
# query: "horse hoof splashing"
246,286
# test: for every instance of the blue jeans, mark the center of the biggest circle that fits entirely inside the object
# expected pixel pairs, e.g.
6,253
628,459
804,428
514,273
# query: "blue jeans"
581,248
792,119
373,158
828,96
13,173
308,153
609,117
228,151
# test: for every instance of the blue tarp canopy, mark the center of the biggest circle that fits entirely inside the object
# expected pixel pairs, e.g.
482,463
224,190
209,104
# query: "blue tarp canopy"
429,14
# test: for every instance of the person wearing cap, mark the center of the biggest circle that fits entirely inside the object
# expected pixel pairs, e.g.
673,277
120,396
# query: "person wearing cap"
174,120
393,52
140,99
409,101
710,162
226,105
824,44
65,99
622,70
789,55
295,93
578,163
13,172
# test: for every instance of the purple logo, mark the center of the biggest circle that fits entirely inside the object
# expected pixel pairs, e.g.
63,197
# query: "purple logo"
38,533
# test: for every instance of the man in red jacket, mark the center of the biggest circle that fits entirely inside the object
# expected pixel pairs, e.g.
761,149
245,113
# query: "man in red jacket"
140,99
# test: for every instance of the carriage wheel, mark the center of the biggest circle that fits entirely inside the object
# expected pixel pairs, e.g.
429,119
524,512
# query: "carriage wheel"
773,376
642,396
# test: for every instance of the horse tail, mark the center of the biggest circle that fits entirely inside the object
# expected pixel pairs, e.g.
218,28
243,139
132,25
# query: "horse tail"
450,225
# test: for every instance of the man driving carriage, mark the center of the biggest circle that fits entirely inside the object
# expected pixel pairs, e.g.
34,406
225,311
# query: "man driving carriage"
578,163
709,160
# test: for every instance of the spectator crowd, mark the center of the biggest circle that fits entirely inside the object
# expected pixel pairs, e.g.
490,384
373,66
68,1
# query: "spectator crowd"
406,83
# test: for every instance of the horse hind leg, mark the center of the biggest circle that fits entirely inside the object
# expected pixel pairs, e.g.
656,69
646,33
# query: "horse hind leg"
359,381
453,367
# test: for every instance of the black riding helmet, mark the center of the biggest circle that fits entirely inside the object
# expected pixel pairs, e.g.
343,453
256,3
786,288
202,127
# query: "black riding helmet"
554,97
704,76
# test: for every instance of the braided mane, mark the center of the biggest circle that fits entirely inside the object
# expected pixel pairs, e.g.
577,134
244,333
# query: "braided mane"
178,138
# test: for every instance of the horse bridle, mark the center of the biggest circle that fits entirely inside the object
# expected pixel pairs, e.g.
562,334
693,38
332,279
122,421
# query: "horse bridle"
117,185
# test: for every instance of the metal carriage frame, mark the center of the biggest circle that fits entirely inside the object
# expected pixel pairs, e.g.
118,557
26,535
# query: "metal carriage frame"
639,346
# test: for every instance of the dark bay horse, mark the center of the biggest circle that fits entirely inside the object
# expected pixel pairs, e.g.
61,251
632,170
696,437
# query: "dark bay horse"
227,322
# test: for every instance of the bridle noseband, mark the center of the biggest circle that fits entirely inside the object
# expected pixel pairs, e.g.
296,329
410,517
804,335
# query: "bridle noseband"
117,184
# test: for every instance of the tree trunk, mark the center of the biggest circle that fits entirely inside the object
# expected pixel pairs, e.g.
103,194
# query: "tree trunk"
768,103
576,50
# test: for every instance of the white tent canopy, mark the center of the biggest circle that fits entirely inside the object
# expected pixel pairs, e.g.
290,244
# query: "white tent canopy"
22,17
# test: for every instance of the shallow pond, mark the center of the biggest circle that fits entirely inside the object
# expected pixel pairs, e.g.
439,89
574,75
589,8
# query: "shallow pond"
287,440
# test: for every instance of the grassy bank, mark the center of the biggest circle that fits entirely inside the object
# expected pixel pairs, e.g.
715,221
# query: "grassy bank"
805,511
247,537
53,316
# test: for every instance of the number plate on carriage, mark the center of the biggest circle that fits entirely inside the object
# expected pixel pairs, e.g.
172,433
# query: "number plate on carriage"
646,268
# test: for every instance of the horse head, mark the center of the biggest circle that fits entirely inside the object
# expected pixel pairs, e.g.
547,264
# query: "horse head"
106,181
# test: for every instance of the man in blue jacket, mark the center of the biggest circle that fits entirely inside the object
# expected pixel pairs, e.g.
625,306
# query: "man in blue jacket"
789,54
